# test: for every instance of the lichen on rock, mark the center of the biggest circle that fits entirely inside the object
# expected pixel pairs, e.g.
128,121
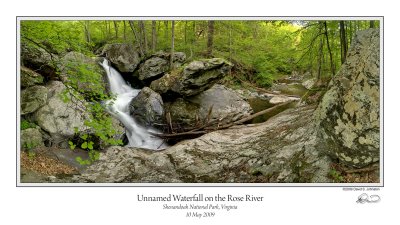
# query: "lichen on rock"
348,116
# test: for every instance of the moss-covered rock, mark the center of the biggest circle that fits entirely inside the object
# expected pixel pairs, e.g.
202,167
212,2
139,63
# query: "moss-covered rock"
39,60
30,78
33,98
31,138
84,74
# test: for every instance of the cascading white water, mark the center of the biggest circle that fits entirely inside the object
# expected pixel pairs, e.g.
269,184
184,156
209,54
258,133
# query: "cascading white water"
138,135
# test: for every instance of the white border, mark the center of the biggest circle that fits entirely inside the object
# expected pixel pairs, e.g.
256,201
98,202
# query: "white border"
380,184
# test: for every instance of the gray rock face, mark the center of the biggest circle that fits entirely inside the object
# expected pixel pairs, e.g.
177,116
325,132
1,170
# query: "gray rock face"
30,78
59,118
32,99
153,67
194,78
31,138
348,115
148,107
158,64
227,106
123,56
256,153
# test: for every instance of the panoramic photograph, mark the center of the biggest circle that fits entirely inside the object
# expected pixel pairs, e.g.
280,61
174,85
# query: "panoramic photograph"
199,101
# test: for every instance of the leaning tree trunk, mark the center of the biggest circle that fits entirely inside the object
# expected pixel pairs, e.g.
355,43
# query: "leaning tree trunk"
132,25
329,49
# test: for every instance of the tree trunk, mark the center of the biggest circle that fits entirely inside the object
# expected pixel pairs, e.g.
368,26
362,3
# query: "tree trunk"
153,36
116,29
171,62
343,41
185,32
166,31
329,49
109,29
124,30
320,58
142,30
371,24
87,31
135,33
210,38
230,40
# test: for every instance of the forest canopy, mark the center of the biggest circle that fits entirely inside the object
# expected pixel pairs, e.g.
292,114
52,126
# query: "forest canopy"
261,51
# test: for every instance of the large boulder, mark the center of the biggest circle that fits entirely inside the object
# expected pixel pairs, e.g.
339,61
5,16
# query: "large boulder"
31,138
348,115
123,56
39,60
279,150
225,105
30,78
33,98
153,67
59,118
193,78
158,64
84,74
148,108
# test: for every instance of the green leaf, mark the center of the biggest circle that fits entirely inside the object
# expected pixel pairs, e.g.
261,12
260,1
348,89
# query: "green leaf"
71,145
90,145
84,145
84,137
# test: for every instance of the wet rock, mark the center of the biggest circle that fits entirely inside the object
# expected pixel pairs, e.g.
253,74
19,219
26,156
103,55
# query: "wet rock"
32,99
348,115
226,105
256,153
193,78
148,108
123,56
30,78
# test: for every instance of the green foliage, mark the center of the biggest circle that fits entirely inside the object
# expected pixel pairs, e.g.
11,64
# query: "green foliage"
93,156
29,145
71,144
31,154
85,78
54,36
336,176
25,124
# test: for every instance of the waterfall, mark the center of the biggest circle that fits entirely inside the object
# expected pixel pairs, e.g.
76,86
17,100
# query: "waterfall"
138,135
